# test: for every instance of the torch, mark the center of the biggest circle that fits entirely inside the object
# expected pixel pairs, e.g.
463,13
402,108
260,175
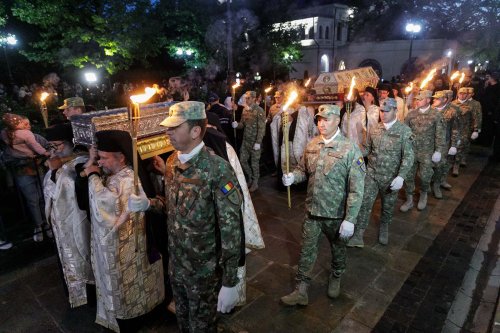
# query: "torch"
134,116
348,105
286,139
407,92
462,76
307,82
266,91
234,111
453,77
427,78
43,106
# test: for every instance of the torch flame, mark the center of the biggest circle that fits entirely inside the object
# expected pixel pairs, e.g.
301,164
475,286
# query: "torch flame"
290,100
454,76
409,88
428,78
236,85
268,89
462,76
307,82
353,83
44,96
138,99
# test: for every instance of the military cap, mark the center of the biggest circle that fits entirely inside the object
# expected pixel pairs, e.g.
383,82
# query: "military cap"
440,94
388,105
72,102
470,90
59,132
424,94
181,112
251,93
463,90
328,110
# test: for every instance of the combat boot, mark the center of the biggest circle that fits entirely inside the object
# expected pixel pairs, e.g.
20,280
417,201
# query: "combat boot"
333,286
454,172
446,186
383,233
357,239
422,201
407,205
436,188
298,296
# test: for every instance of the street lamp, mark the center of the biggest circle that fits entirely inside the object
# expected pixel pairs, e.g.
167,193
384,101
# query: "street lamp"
8,40
413,29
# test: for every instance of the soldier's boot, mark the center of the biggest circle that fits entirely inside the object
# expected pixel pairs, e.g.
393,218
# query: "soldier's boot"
456,167
298,296
383,233
254,187
357,238
422,201
333,286
407,205
446,186
436,188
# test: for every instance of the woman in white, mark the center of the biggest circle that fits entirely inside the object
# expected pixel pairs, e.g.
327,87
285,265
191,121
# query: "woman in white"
370,102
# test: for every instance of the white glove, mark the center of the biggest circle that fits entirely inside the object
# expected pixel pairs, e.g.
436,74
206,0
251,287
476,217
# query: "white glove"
228,297
436,157
474,135
138,203
234,124
397,183
256,146
346,229
452,151
288,179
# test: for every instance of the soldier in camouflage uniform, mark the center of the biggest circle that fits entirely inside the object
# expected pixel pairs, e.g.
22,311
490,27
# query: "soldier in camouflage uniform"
427,125
335,171
450,113
470,121
202,203
253,120
390,158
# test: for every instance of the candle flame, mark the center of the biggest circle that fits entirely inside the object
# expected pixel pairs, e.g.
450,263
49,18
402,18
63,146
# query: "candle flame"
290,100
236,85
454,76
44,96
268,89
353,83
307,82
462,76
409,88
138,99
428,78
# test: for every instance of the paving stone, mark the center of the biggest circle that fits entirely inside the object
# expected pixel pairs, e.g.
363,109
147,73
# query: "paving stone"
389,281
405,261
279,250
370,307
482,317
418,244
351,325
275,281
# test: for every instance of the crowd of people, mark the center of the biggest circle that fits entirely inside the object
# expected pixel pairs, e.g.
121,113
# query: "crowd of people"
191,214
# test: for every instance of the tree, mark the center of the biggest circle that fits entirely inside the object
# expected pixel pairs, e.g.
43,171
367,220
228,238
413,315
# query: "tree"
107,34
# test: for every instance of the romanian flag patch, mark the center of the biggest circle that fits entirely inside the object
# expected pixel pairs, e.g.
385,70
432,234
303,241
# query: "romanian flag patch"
227,188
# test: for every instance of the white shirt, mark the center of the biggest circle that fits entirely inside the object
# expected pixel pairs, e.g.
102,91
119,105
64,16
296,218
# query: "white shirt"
183,158
389,125
327,141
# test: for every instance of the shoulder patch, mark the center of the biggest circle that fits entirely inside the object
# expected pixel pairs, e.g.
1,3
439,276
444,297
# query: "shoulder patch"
361,164
225,189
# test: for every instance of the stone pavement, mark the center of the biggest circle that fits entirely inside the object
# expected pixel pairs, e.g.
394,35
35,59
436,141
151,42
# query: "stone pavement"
412,285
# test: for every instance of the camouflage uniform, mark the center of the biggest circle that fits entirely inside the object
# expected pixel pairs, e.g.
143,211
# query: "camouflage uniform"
451,119
429,130
253,120
335,173
390,154
202,204
467,122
